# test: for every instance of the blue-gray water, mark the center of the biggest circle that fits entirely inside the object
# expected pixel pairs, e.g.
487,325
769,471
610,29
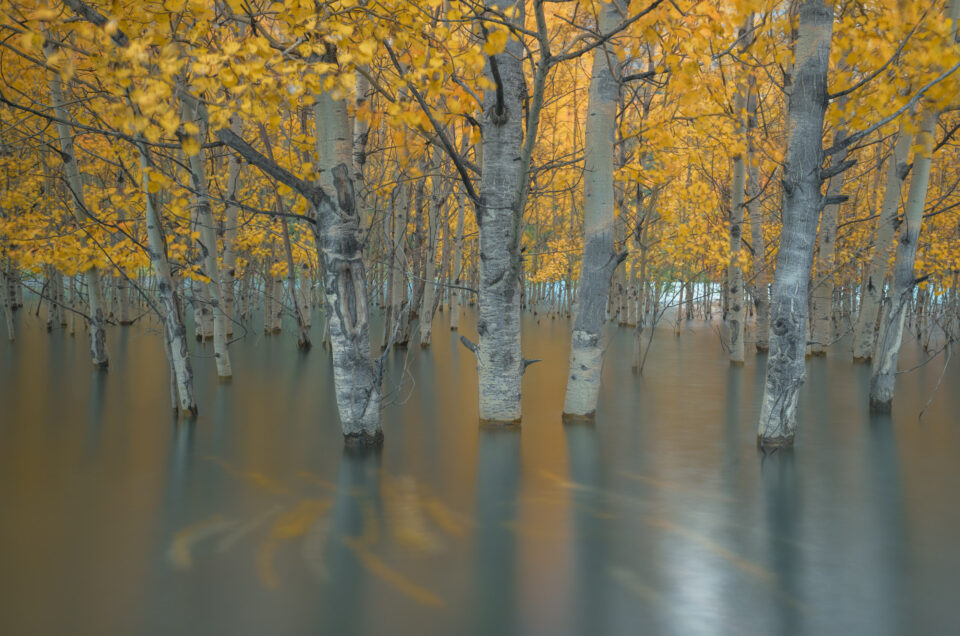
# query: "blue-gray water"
660,519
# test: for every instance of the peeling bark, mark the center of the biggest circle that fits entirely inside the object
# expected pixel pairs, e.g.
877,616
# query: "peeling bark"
357,380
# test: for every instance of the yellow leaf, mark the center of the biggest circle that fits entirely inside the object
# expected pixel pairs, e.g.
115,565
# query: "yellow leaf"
191,146
496,42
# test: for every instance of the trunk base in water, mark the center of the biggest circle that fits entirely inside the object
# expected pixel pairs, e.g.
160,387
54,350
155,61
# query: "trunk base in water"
863,360
500,425
762,348
774,443
363,440
190,413
816,354
101,364
881,405
225,379
576,418
736,363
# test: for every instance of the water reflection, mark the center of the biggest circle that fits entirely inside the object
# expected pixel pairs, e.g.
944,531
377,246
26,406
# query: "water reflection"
783,530
661,518
333,545
498,476
590,538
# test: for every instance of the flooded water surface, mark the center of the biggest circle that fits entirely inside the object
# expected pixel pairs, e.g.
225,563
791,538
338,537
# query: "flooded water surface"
662,518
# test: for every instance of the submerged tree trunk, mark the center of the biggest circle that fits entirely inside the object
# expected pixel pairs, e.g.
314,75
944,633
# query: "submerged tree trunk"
81,213
734,310
175,332
801,211
7,309
456,294
901,292
207,242
599,257
761,271
399,294
357,381
871,291
499,356
228,273
430,257
822,296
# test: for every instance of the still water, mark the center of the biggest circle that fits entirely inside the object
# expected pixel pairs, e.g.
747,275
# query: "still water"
660,519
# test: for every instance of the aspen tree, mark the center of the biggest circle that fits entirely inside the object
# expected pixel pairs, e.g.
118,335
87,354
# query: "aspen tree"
599,257
801,208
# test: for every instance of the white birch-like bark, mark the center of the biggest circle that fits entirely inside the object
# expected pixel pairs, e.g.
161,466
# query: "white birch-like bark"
97,315
871,291
437,199
175,332
599,258
500,361
399,291
801,211
884,368
228,273
734,310
357,381
207,242
761,269
821,331
456,294
305,294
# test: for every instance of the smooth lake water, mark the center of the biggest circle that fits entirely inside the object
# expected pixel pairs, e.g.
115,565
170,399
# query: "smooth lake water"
660,519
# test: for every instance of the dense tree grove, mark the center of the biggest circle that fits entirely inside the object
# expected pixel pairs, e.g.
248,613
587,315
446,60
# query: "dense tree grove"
784,167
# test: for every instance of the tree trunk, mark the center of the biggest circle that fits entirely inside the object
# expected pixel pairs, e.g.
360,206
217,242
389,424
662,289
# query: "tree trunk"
228,273
801,211
456,294
207,243
305,294
175,332
901,292
822,297
357,381
871,292
734,310
599,258
500,361
430,257
7,310
81,213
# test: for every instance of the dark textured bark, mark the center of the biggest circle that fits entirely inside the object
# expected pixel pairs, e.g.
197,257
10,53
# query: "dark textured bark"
801,211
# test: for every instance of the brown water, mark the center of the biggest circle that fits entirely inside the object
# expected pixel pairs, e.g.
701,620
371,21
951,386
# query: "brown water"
661,519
